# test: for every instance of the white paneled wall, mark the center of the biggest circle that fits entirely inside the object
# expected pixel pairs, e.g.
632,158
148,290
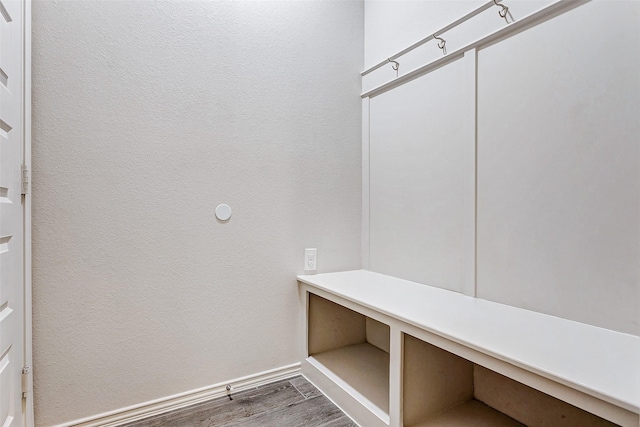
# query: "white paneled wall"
559,167
422,159
558,181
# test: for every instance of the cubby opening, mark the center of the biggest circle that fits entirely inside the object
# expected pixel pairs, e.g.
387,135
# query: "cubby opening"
441,389
354,347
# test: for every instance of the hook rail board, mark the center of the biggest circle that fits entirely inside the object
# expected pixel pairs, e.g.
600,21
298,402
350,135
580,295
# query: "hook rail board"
511,29
434,35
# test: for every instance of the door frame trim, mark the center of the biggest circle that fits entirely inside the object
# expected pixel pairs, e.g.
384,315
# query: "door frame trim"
26,208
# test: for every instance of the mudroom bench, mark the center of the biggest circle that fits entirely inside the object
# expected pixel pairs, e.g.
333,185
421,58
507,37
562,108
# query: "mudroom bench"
391,352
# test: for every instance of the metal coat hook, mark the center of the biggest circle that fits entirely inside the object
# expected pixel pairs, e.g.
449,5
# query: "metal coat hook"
395,67
504,12
442,43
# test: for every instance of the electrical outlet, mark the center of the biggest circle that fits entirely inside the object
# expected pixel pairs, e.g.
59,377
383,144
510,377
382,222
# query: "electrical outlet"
310,259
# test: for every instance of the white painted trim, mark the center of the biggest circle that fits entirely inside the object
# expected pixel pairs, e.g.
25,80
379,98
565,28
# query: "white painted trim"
431,36
182,400
345,397
346,387
304,303
337,404
396,381
366,165
523,375
512,29
544,352
26,133
470,178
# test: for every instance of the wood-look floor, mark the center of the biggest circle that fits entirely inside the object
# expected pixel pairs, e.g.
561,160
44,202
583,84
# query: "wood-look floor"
288,403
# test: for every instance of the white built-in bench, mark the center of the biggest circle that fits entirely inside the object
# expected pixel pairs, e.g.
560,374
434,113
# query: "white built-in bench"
396,353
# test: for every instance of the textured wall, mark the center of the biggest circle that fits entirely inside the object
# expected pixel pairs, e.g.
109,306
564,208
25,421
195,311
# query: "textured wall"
146,116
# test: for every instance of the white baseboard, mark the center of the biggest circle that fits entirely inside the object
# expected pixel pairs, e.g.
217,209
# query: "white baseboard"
181,400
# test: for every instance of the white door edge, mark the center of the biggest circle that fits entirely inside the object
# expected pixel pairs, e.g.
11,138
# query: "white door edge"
26,116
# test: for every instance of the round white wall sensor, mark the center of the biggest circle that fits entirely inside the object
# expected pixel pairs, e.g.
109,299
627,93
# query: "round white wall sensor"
223,212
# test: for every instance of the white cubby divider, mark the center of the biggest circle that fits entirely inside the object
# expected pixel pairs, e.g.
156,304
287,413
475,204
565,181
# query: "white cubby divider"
396,353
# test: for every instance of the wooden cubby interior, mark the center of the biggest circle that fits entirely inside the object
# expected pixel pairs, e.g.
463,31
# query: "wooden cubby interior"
352,346
441,389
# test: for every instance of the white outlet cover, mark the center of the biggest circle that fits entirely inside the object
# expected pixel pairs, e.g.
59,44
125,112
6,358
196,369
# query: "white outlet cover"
310,259
223,212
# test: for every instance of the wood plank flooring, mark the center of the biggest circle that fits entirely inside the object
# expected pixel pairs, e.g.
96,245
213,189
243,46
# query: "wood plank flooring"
288,403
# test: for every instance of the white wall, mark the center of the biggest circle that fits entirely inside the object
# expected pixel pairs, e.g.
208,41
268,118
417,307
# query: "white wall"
558,187
559,168
146,116
422,176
